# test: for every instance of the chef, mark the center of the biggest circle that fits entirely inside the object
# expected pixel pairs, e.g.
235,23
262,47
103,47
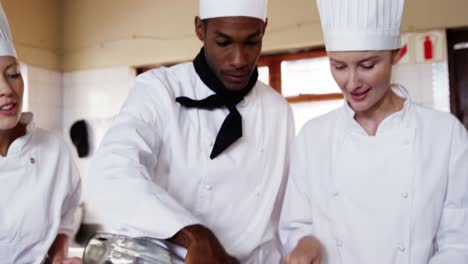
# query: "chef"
39,183
381,179
199,152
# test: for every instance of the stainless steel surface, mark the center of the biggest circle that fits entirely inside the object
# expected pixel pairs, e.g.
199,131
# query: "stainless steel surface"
105,248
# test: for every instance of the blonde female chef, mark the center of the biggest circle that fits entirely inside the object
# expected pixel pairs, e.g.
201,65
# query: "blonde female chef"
39,184
379,180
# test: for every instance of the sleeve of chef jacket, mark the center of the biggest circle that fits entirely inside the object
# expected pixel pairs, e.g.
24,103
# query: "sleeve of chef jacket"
281,193
73,193
452,235
296,218
121,188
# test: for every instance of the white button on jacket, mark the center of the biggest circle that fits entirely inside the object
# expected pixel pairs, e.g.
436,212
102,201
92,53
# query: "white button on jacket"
403,194
152,175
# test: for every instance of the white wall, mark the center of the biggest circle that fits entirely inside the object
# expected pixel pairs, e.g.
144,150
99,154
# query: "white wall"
43,96
427,84
95,96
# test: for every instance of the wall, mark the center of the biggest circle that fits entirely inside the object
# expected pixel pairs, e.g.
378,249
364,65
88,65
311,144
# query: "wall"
110,33
95,96
37,29
75,35
44,97
427,84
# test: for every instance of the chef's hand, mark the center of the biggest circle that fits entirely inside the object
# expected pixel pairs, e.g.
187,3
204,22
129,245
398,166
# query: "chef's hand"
63,260
58,252
202,245
72,261
307,251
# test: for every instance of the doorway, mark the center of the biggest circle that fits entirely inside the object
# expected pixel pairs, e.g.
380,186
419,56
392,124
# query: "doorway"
457,40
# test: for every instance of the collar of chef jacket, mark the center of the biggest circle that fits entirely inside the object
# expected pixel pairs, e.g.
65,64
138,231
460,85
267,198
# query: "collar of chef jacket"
393,121
19,145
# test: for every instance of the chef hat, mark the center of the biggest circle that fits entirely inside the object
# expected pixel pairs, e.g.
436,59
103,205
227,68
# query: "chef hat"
361,25
232,8
6,42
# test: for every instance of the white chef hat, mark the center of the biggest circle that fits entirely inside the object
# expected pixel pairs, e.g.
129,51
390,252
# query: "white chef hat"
232,8
6,41
361,25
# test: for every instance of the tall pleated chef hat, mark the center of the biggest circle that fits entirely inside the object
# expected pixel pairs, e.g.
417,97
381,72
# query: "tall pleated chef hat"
361,25
6,41
233,8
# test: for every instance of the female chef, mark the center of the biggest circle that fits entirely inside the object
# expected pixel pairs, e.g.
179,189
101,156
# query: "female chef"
380,180
39,184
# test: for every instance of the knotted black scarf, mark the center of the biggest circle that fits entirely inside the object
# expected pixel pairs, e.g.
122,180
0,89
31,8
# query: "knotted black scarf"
231,130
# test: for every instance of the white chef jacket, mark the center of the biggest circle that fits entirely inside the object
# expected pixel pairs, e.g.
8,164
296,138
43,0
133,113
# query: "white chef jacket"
152,174
39,193
399,197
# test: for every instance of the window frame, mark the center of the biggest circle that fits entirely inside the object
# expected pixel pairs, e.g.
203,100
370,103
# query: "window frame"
273,62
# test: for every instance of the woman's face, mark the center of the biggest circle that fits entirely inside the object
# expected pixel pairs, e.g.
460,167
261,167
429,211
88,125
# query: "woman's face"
11,93
363,76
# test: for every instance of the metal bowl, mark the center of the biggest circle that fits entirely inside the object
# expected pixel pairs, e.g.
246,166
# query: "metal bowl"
105,248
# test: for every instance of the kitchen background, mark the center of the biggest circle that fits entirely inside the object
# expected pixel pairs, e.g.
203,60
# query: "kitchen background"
80,57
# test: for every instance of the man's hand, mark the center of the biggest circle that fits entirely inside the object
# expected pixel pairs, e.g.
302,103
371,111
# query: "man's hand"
72,261
63,260
202,245
307,251
58,252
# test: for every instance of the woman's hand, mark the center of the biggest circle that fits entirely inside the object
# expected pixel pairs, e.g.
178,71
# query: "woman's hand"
307,251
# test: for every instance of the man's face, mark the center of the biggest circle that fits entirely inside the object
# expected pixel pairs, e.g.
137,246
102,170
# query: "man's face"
232,47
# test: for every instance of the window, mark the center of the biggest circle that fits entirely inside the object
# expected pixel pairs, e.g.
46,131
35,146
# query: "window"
305,80
307,76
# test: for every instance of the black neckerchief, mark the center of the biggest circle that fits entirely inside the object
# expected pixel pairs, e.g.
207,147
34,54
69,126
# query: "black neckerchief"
231,130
